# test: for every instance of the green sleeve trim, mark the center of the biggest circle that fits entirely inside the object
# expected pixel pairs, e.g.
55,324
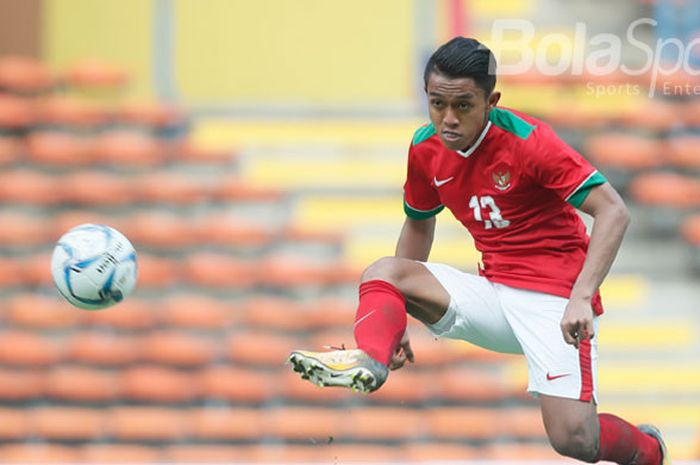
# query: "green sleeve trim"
509,121
423,133
580,194
421,214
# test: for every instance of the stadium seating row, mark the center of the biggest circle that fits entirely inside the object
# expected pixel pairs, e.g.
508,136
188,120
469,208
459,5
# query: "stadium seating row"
123,149
101,188
467,424
242,385
267,453
201,269
253,347
158,230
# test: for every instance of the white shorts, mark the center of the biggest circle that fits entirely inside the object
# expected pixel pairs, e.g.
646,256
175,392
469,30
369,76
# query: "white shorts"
517,321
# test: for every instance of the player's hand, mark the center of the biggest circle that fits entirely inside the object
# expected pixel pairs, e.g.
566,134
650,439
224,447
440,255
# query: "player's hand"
402,353
577,322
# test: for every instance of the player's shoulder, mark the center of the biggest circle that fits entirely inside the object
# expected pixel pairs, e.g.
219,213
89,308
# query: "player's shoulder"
515,123
423,134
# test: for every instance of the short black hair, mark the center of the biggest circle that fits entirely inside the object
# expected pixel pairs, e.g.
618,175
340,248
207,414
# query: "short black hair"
463,57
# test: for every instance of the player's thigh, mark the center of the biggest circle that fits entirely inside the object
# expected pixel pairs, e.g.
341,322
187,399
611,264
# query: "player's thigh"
555,368
572,426
474,313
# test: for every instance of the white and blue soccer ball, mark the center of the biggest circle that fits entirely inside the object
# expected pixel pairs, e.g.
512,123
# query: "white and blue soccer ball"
94,266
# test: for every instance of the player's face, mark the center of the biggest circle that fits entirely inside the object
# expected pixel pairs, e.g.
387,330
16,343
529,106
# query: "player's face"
458,109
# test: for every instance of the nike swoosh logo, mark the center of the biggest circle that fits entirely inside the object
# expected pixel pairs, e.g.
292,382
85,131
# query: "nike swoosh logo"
553,377
363,318
442,182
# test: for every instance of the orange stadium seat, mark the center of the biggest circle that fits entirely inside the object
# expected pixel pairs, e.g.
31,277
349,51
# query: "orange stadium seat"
383,423
40,311
465,384
24,75
320,340
171,188
11,149
187,152
17,385
331,312
157,271
654,115
296,233
131,314
97,348
128,148
623,151
13,272
95,188
62,149
38,453
292,387
235,189
20,348
201,453
208,269
96,73
264,348
65,220
22,186
684,152
196,311
276,313
229,230
666,190
305,423
575,117
520,452
16,114
407,385
522,422
38,270
21,229
690,229
227,424
157,384
236,384
349,453
15,424
462,423
152,115
68,112
81,384
295,271
120,453
63,423
147,424
691,113
177,348
159,230
437,451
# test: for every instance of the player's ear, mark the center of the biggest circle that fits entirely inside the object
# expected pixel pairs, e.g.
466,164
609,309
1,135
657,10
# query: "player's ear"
493,100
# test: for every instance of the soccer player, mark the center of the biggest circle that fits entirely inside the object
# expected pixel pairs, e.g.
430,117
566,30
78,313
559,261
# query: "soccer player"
515,186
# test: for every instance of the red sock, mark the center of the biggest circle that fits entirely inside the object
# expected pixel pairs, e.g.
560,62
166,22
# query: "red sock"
380,320
623,443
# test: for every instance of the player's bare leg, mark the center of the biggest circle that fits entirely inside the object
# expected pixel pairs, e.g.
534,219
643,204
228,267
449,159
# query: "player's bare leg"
390,288
576,430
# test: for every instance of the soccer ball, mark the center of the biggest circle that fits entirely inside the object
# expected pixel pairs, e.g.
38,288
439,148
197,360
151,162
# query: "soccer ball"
94,266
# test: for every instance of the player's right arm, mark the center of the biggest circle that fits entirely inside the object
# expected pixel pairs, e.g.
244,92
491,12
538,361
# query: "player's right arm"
416,239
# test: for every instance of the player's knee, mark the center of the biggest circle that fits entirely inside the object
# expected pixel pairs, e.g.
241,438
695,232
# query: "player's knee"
576,442
388,269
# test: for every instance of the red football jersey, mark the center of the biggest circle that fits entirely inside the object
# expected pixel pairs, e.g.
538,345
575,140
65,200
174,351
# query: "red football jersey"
515,191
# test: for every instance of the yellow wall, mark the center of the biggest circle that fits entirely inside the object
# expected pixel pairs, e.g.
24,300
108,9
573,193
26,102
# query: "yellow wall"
273,51
114,30
266,51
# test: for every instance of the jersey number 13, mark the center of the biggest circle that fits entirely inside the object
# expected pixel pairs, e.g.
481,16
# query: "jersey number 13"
494,214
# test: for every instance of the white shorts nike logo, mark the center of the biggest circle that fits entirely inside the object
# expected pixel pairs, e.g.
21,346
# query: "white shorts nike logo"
442,182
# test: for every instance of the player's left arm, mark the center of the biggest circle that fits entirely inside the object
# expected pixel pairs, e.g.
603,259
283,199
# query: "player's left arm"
610,220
